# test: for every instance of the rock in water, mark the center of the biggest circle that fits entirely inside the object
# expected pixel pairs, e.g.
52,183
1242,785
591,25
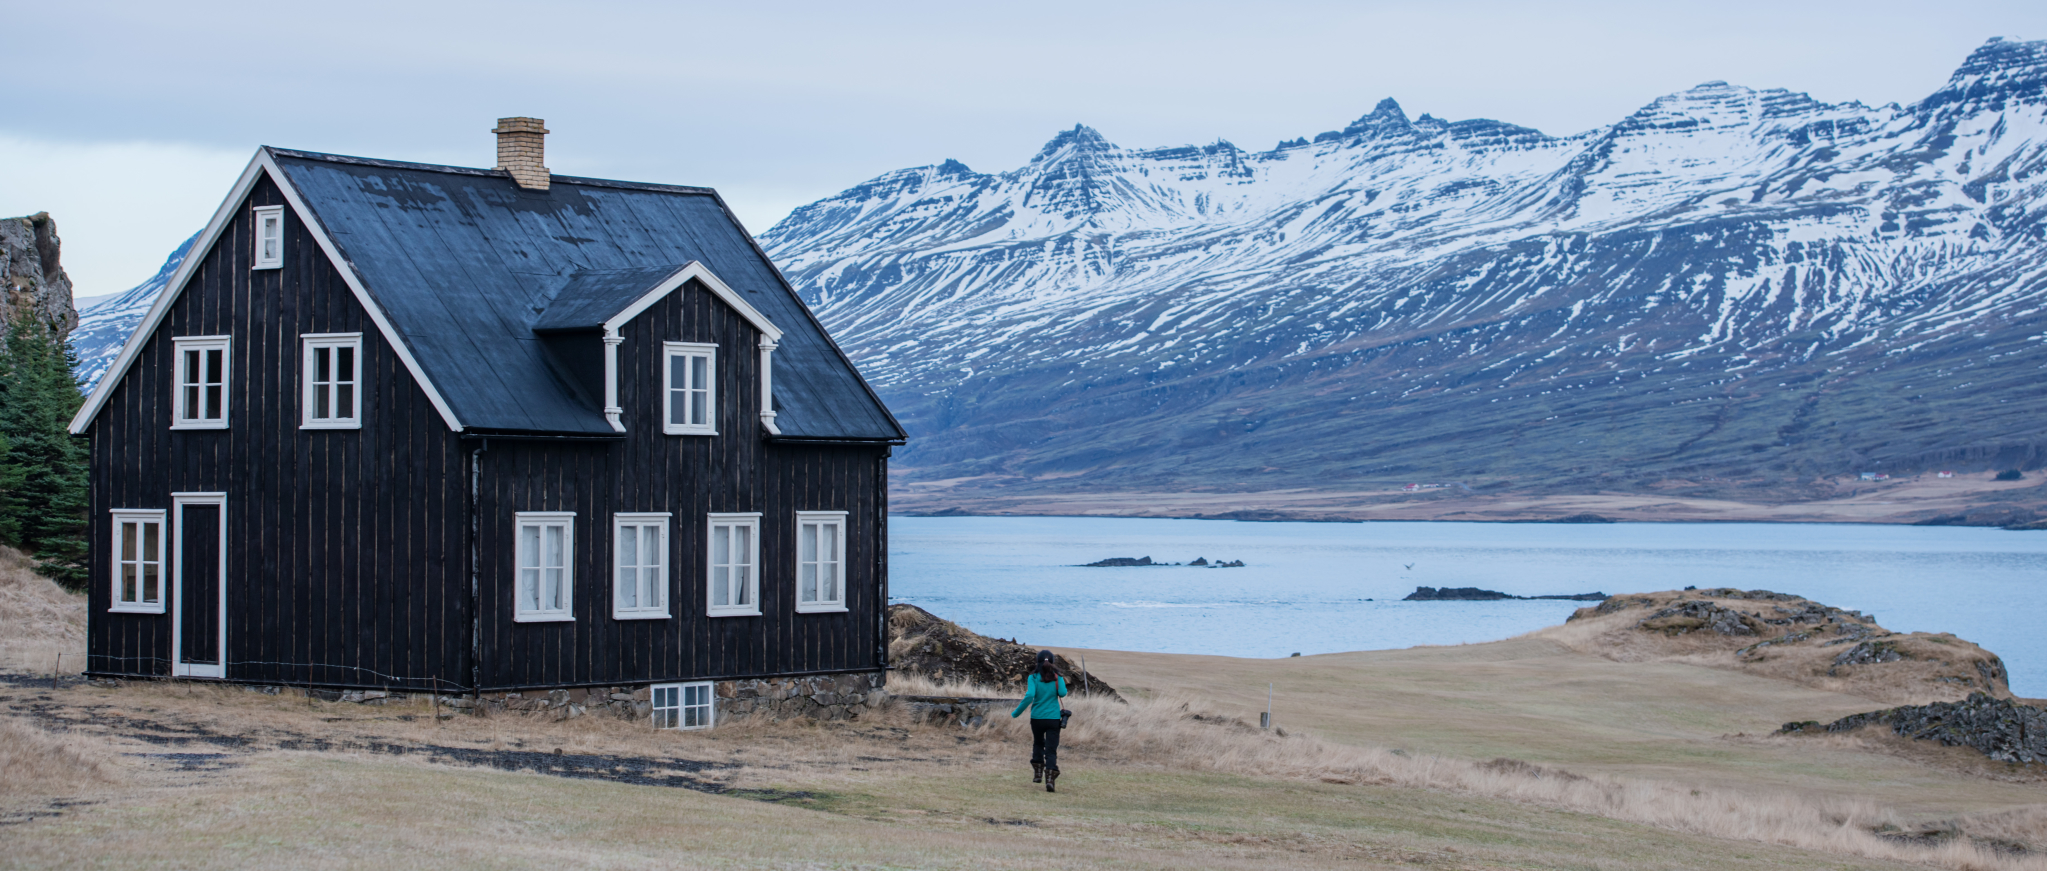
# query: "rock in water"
1119,562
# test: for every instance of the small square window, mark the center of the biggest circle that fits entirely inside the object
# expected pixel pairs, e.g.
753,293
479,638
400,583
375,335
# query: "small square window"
333,379
138,562
202,396
545,572
689,376
820,561
683,705
640,557
734,562
269,237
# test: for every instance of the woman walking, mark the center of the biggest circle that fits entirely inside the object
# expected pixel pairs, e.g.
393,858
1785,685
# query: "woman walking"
1042,692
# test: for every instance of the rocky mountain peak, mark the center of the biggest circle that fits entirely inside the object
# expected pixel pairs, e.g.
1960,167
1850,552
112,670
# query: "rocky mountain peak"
1996,75
32,273
1385,117
1081,140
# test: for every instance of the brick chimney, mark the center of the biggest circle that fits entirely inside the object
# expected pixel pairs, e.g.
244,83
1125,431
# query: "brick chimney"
522,149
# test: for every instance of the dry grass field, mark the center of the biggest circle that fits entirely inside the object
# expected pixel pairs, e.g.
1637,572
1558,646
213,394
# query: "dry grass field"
1525,753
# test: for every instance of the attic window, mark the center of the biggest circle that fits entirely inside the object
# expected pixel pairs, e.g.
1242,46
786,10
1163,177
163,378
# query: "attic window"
201,398
689,379
269,237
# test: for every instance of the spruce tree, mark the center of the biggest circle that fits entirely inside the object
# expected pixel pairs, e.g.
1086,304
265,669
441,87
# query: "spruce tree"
43,496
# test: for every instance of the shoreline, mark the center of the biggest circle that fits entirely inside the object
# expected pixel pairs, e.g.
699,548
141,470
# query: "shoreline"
1973,501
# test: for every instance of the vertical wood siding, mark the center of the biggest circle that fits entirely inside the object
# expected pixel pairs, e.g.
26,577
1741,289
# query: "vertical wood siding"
348,550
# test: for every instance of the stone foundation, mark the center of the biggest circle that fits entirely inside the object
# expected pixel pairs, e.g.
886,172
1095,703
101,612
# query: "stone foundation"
814,697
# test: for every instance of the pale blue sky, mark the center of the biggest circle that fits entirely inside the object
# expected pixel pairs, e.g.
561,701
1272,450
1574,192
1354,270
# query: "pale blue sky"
127,121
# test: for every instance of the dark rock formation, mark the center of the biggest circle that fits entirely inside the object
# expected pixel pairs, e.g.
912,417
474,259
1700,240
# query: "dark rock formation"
1694,615
32,275
1121,561
1474,594
2001,729
940,649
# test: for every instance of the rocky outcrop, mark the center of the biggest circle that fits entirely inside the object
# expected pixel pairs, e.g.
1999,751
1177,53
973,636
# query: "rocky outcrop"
1784,636
2001,729
32,274
922,643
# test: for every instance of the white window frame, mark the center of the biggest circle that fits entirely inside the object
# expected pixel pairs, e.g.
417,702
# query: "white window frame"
330,342
836,559
275,257
521,613
180,345
670,351
122,517
674,703
751,521
641,522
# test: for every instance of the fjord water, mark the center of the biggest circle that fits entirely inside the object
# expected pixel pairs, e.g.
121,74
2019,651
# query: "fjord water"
1329,587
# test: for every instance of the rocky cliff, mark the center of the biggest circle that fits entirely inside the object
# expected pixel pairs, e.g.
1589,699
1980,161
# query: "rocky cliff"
32,273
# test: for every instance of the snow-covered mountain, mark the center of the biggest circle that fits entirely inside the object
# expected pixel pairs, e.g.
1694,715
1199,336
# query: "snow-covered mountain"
104,326
1730,282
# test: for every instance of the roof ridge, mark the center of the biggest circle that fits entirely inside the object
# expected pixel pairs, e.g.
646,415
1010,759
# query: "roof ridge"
487,173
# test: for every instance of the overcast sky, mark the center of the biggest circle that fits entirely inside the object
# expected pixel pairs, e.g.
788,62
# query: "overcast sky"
128,121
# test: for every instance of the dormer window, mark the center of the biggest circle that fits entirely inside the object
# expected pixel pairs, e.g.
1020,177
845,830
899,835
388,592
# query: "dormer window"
689,374
269,237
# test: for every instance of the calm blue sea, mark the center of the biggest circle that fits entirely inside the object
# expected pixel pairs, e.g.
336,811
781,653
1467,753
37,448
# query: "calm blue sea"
1329,587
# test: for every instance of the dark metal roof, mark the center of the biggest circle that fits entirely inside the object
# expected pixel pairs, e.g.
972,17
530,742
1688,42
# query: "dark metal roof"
467,265
592,296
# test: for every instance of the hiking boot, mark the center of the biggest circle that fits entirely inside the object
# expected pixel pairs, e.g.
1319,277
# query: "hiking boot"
1051,775
1037,772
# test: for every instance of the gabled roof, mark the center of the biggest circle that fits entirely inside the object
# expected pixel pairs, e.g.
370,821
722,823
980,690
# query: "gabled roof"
460,267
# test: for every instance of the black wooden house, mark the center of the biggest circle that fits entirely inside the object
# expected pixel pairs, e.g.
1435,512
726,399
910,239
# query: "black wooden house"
408,427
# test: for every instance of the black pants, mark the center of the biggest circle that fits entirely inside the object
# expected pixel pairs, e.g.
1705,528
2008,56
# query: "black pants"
1045,743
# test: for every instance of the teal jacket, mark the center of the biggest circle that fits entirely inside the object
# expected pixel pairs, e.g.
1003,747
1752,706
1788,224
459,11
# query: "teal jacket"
1041,698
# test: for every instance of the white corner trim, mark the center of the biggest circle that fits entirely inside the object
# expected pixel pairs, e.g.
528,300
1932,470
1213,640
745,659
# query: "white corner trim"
697,270
767,347
612,411
261,163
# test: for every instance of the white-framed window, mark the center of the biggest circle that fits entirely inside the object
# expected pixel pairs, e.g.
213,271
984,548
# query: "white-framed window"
639,554
820,561
683,705
269,237
201,384
735,587
689,377
139,548
545,575
333,377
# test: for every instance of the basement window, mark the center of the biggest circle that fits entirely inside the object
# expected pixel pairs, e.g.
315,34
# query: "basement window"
333,376
689,375
640,554
545,582
201,398
820,561
138,562
683,705
269,237
735,553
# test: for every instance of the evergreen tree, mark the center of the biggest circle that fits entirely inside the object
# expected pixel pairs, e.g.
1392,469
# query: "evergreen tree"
43,497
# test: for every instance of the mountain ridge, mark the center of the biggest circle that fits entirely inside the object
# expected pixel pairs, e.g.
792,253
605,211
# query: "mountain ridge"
1207,317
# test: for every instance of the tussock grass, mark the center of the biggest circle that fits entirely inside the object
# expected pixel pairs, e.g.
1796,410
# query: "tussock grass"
38,619
34,761
1172,733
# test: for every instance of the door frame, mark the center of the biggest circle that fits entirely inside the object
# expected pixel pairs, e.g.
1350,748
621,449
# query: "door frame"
180,668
